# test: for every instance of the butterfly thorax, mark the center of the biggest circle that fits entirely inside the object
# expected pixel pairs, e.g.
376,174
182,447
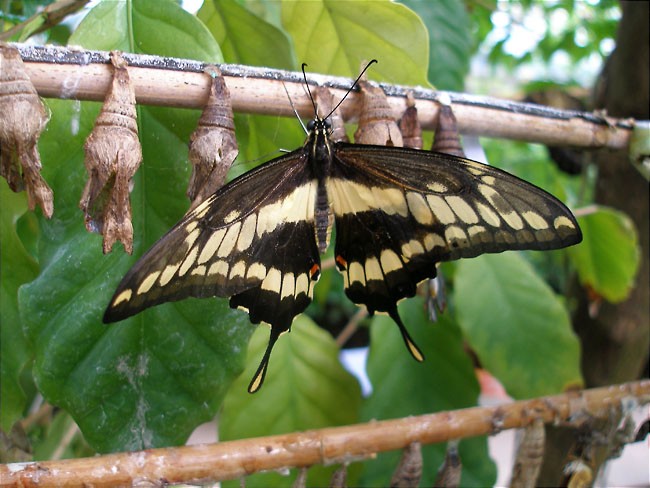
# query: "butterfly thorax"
320,162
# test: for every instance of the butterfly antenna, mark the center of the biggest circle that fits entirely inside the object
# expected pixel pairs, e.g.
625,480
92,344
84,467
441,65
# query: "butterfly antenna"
293,107
372,61
304,75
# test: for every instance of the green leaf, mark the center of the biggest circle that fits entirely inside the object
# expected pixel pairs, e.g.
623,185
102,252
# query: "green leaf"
517,326
450,41
17,267
305,388
149,380
403,387
608,258
147,26
336,37
244,37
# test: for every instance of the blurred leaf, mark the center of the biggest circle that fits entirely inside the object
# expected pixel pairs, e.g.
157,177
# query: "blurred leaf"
305,388
246,38
17,267
149,380
403,387
337,37
450,41
608,258
517,326
57,440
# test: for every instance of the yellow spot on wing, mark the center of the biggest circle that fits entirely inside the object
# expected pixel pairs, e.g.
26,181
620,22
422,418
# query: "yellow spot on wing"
147,283
433,240
390,261
441,210
562,221
437,187
355,271
211,246
247,233
125,296
256,270
535,220
288,285
168,273
229,240
189,261
220,268
412,248
231,217
488,215
302,284
239,269
419,208
462,209
373,270
273,281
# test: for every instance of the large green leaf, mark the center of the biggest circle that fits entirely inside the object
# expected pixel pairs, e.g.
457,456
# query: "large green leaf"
16,267
149,380
336,37
306,388
403,387
517,326
450,41
608,258
246,38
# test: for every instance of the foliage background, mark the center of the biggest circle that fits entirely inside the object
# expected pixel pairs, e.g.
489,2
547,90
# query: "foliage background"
150,380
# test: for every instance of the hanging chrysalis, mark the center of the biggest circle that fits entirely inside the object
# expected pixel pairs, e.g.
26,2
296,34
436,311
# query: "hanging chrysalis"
339,477
23,118
447,139
409,470
530,454
409,125
213,146
376,122
450,472
113,154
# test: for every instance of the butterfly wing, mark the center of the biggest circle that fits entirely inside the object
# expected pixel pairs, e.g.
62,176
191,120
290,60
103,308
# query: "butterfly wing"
252,240
400,211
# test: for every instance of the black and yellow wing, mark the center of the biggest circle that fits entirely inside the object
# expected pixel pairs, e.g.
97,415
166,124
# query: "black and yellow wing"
400,211
252,241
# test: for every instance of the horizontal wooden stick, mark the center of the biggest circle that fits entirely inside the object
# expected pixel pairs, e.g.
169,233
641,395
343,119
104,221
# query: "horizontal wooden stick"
234,459
86,75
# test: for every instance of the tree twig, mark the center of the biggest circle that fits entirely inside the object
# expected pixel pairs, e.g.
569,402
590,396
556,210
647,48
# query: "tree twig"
51,15
234,459
85,75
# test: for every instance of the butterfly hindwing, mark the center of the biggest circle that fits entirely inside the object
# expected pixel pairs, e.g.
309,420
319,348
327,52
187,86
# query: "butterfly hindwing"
253,240
398,212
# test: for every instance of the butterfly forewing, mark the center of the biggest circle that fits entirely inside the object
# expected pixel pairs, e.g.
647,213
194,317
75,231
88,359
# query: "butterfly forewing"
400,211
253,240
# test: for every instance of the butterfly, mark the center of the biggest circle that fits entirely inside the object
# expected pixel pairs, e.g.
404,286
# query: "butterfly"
396,213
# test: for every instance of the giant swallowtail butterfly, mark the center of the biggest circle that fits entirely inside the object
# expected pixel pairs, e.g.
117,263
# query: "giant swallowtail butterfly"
397,212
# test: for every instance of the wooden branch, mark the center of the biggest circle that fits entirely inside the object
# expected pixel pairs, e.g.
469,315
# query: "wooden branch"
234,459
85,75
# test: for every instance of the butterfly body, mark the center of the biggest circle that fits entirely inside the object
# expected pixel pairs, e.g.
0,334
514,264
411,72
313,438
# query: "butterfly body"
397,212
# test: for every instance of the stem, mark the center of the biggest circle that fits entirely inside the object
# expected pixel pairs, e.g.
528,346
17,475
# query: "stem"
234,459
